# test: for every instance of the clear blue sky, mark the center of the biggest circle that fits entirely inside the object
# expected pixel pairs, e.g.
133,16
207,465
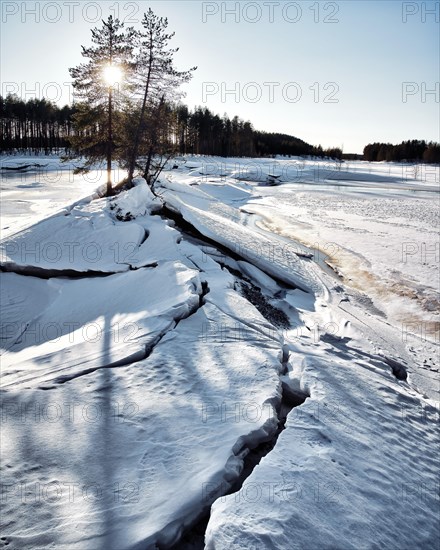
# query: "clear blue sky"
338,69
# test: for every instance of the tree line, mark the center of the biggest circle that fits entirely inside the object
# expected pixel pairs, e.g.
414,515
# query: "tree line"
407,151
40,126
36,125
205,133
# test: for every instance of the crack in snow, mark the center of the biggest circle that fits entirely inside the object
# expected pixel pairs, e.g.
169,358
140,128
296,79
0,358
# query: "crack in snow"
193,537
136,357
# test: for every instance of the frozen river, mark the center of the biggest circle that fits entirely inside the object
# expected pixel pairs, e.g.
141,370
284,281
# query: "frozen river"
142,363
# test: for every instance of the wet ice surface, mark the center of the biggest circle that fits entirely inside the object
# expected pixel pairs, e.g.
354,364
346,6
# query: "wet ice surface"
174,359
386,247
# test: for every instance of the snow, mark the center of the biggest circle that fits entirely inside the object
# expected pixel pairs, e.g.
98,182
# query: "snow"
356,467
134,386
90,236
380,235
34,194
91,323
392,247
122,385
221,222
144,439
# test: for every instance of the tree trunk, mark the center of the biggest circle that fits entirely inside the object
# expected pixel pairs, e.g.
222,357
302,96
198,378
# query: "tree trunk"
147,167
141,117
109,144
153,141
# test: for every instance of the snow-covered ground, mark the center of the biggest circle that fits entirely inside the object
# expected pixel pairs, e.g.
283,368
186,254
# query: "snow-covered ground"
377,225
32,194
141,364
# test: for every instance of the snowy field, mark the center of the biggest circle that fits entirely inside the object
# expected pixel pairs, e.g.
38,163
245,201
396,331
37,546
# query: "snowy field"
248,360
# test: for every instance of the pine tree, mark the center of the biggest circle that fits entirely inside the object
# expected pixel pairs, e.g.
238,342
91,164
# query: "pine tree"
159,81
95,118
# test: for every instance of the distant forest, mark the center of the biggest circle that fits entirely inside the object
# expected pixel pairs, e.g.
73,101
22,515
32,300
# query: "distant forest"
43,127
410,151
40,126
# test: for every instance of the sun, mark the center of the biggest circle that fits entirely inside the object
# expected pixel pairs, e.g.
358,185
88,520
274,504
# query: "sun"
112,75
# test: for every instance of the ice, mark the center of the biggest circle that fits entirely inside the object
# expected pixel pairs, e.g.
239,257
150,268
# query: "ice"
222,223
37,193
134,386
89,237
379,235
118,390
344,473
91,323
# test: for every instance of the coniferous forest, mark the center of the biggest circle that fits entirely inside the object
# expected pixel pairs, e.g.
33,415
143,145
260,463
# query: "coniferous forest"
410,151
35,125
40,126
